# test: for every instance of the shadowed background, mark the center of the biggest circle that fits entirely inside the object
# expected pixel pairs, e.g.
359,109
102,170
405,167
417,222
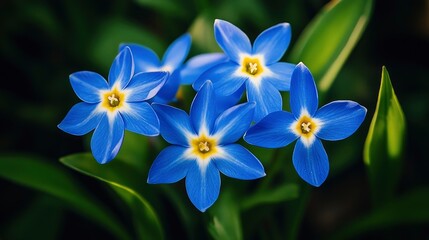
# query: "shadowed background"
42,42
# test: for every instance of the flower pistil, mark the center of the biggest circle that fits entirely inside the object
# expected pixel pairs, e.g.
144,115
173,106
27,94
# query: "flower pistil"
203,146
113,100
252,66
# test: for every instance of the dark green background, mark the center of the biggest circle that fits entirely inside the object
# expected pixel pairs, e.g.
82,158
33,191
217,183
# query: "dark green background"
42,42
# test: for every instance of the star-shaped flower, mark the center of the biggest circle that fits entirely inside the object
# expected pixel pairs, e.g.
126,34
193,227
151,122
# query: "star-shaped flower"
146,60
334,121
204,144
113,106
255,67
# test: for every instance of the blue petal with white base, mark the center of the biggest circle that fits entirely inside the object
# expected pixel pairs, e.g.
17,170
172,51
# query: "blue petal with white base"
146,85
311,163
228,81
196,65
145,59
107,138
87,85
340,119
175,124
81,119
170,166
203,185
303,93
268,99
273,42
233,123
141,118
231,39
202,111
334,121
177,52
239,163
122,69
273,131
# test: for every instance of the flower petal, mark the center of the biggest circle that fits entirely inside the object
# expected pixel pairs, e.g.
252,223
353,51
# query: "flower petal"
175,124
238,162
203,185
203,109
225,102
122,69
145,85
197,65
168,92
171,165
311,163
177,51
273,131
107,138
145,59
141,118
303,91
87,85
232,40
266,96
233,123
280,75
81,119
224,78
273,42
339,119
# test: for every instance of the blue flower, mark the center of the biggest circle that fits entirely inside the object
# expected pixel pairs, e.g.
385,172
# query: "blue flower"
334,121
110,107
203,144
255,67
146,60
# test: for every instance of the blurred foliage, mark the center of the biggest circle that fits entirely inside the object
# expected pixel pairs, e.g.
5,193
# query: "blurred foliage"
330,37
43,41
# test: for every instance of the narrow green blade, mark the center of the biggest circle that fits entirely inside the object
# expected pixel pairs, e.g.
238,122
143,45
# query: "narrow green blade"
385,142
330,37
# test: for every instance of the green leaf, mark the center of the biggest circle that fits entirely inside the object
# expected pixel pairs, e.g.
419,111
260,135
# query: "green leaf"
411,208
134,150
385,142
128,183
282,193
226,223
166,6
105,45
329,38
37,174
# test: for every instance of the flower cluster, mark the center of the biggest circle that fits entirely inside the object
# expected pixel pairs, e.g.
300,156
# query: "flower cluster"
204,143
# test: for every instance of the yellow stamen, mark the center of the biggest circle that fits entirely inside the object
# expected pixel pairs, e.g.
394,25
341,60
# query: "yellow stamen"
252,66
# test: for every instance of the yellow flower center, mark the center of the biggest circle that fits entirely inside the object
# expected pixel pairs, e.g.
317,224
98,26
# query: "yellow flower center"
203,146
252,66
113,99
305,126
